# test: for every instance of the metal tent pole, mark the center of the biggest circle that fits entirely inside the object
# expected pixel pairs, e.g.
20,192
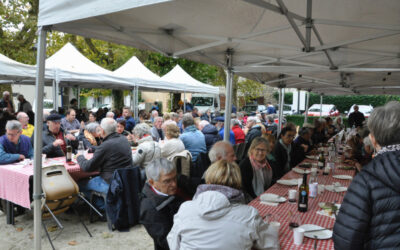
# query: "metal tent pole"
37,163
228,97
307,103
320,112
136,103
280,110
298,101
184,102
79,99
171,98
54,95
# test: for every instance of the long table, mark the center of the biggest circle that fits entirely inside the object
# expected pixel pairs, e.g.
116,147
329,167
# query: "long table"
15,182
282,212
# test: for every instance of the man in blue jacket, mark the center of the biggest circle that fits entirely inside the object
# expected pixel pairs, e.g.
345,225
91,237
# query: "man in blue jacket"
130,122
13,145
220,125
192,138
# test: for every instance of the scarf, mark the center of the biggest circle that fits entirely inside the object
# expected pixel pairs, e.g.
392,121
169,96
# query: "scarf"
258,165
389,148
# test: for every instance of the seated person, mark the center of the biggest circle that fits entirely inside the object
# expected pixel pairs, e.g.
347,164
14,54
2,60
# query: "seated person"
69,123
54,140
147,149
27,129
257,174
113,153
222,150
284,151
318,135
159,203
90,136
13,145
237,131
217,217
121,124
302,146
172,144
156,131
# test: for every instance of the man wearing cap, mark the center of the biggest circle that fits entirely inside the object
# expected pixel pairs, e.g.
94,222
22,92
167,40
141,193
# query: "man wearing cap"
220,126
13,145
54,139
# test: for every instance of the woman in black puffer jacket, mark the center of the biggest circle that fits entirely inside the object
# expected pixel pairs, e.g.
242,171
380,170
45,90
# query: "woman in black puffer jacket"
369,217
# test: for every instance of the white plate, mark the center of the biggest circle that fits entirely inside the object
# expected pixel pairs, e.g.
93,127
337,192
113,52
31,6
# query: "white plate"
312,157
290,182
332,188
301,171
343,177
321,235
272,198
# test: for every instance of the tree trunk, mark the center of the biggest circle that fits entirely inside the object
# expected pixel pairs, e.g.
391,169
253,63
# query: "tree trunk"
118,99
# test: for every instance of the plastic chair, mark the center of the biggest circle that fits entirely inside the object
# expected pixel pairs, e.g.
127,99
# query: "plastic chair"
60,192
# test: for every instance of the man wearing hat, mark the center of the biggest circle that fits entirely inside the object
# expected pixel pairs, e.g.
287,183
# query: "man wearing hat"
54,139
220,126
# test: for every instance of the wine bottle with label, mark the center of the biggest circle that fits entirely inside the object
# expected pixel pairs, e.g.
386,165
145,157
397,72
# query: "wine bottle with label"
68,155
321,161
303,195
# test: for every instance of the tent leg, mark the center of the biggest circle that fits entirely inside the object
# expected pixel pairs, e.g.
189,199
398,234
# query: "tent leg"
298,101
136,103
307,103
55,95
172,100
37,176
79,99
281,101
320,111
184,102
228,98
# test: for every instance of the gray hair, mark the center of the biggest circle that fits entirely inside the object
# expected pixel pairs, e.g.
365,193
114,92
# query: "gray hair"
141,129
14,125
157,119
235,122
270,118
109,125
218,150
202,124
187,120
92,127
154,112
384,124
174,115
110,114
6,93
157,167
252,119
21,115
239,115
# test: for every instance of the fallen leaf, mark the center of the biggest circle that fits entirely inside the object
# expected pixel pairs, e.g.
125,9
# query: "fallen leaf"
107,235
72,243
19,229
52,228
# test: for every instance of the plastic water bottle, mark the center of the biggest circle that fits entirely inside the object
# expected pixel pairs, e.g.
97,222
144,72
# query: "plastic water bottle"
81,148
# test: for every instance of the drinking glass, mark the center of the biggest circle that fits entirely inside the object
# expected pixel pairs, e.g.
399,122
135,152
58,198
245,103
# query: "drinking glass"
294,220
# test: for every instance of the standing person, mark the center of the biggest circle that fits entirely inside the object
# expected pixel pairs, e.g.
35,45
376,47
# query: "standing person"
23,105
159,203
192,138
27,129
13,145
156,131
217,217
270,108
207,116
113,153
369,215
73,104
195,112
130,122
6,102
69,123
356,118
271,126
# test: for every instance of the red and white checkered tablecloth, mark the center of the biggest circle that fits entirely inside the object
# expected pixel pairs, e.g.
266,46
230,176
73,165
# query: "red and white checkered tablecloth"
281,212
14,179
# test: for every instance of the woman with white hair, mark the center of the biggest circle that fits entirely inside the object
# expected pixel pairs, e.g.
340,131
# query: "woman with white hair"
90,135
369,215
172,144
148,149
217,217
338,123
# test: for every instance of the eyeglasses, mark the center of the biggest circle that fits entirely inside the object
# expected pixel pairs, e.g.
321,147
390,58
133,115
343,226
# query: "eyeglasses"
12,135
261,150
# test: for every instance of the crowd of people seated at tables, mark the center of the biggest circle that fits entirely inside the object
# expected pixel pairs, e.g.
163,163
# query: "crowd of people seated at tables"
111,136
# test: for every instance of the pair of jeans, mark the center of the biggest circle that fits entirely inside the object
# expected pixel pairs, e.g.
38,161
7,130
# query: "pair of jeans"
97,184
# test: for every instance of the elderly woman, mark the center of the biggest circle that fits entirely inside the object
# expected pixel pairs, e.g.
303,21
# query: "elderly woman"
257,173
91,135
338,123
369,215
148,149
172,145
156,131
217,217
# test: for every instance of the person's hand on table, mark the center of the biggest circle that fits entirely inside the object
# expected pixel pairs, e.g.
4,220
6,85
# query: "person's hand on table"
58,142
70,137
21,157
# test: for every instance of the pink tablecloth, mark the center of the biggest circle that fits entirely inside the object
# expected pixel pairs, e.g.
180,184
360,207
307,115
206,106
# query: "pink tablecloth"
14,179
281,212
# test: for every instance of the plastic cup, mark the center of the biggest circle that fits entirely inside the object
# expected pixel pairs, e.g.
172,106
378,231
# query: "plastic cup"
43,158
274,228
313,187
298,235
292,195
321,188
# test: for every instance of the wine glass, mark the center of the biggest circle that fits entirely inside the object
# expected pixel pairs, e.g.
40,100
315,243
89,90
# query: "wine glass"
294,220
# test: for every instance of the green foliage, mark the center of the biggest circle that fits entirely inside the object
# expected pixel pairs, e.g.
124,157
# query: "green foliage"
299,119
288,97
250,89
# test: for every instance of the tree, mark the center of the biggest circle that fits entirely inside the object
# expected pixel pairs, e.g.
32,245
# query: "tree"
250,89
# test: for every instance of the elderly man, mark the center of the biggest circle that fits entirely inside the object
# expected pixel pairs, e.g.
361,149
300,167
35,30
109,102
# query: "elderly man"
156,131
210,132
192,138
154,115
254,130
222,150
113,153
6,103
69,123
13,145
159,203
356,118
27,129
54,140
110,114
130,122
302,145
221,130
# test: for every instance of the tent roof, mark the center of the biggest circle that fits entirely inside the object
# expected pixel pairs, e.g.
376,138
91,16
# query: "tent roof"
13,70
179,76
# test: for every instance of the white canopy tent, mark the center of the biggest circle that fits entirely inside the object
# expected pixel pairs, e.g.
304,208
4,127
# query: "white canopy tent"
246,37
13,70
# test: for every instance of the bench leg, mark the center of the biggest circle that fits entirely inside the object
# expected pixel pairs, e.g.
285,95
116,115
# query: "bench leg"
10,212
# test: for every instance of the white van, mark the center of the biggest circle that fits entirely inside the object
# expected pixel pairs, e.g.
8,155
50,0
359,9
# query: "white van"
206,101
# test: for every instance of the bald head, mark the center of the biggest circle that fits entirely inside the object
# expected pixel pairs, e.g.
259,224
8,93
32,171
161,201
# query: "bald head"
222,150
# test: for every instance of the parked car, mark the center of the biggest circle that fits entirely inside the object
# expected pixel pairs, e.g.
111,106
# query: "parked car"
365,109
101,106
47,105
327,110
253,108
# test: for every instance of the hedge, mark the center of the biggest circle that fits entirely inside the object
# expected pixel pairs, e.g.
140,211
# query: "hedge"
299,119
343,103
